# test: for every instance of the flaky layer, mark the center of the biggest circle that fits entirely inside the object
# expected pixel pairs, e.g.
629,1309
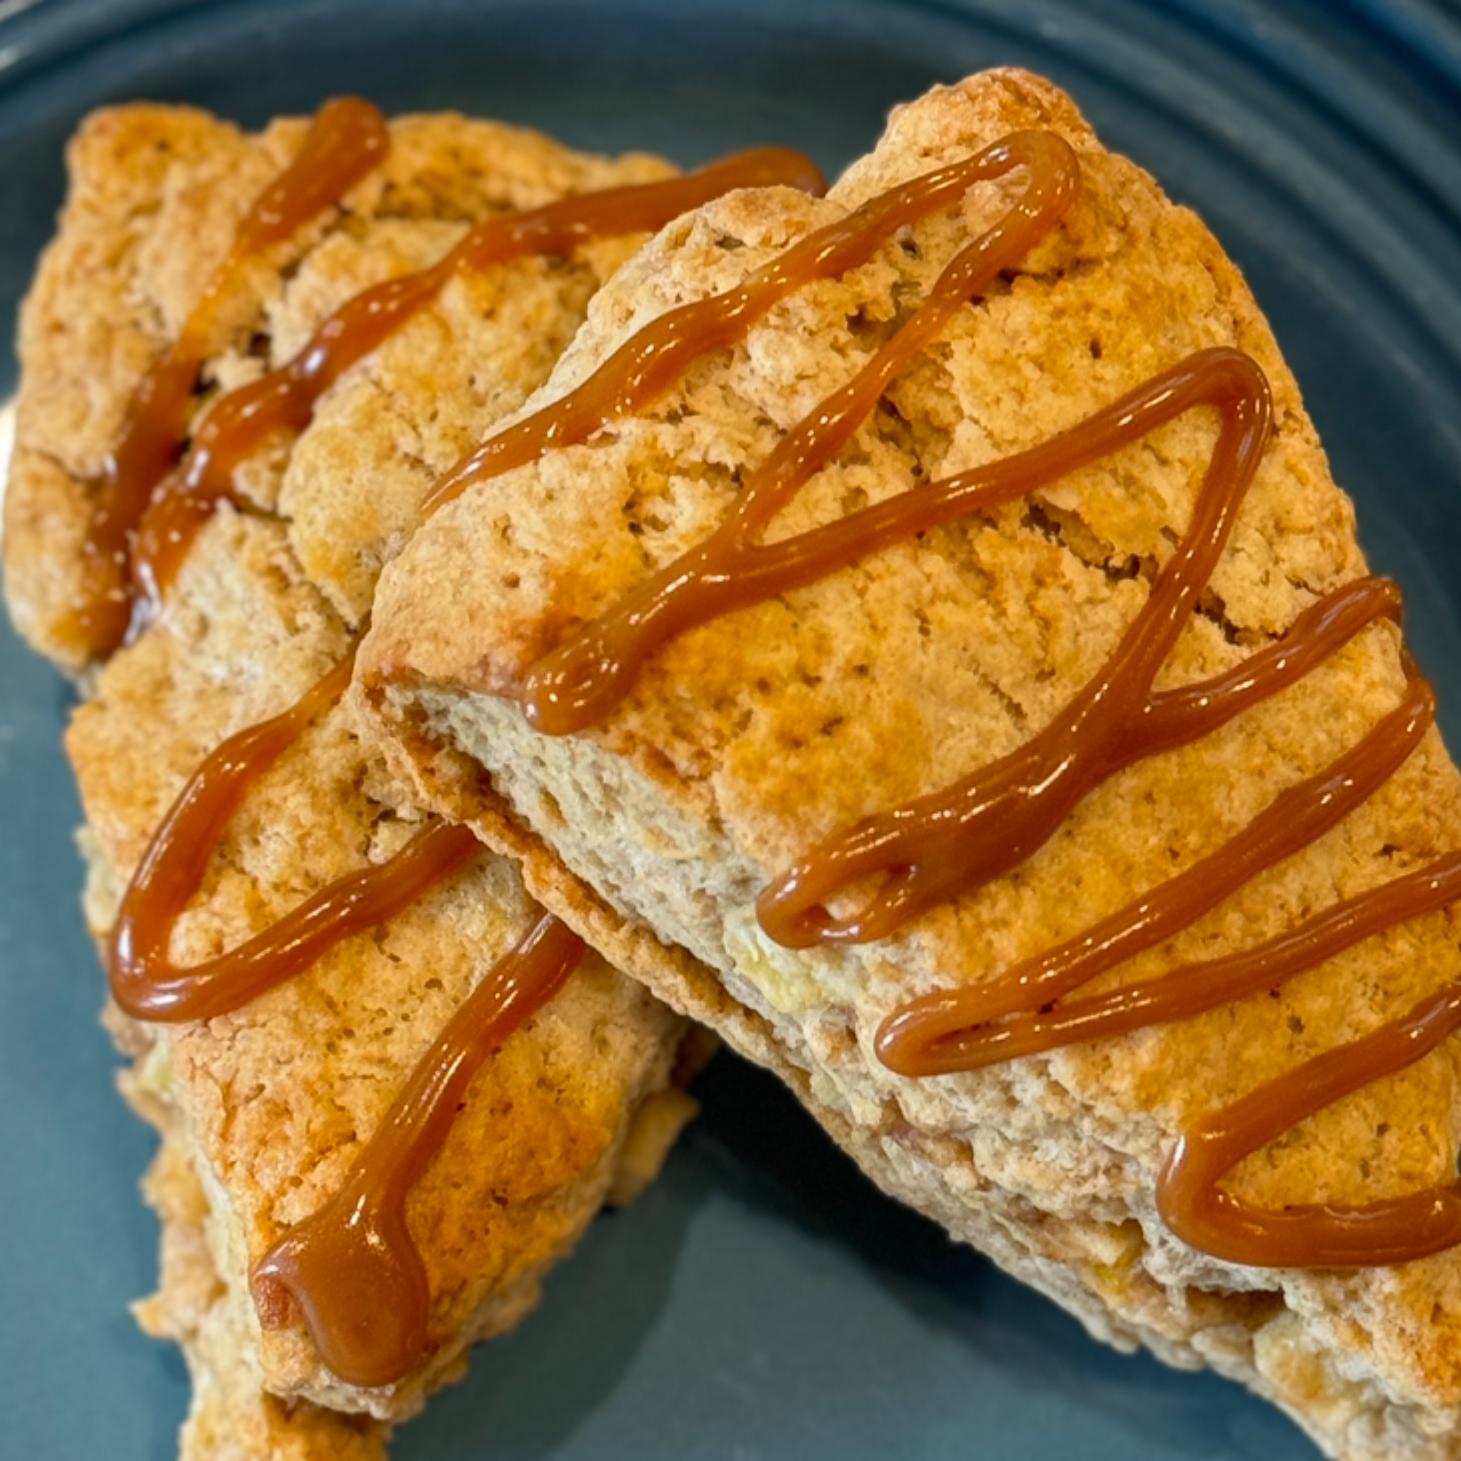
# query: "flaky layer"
747,740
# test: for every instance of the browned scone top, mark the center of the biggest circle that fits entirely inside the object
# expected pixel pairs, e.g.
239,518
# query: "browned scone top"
748,739
275,1101
264,1109
156,195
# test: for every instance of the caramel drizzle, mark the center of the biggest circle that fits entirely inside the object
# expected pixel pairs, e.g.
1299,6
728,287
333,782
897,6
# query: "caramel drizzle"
938,847
650,362
351,1268
973,1026
351,1271
284,398
1313,1235
346,140
144,980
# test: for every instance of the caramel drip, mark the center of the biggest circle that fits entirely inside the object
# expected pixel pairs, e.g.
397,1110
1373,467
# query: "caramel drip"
351,1269
583,679
347,139
927,851
937,846
284,398
964,1028
934,848
144,980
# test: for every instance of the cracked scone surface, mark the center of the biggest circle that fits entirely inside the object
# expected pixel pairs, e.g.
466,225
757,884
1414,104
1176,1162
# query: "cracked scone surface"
746,741
266,1108
154,198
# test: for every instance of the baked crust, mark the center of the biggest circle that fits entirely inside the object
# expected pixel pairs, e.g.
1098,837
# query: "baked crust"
264,1110
155,196
746,741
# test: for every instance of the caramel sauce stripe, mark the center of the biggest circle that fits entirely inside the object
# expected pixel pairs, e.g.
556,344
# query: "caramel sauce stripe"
284,398
1314,1235
651,361
144,980
944,1032
939,846
347,139
351,1269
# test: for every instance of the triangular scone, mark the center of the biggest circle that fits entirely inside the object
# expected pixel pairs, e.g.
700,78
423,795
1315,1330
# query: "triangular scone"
747,740
267,1107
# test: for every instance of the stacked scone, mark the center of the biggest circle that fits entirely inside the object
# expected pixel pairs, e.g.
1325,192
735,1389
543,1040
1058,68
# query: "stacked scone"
265,1107
912,631
935,827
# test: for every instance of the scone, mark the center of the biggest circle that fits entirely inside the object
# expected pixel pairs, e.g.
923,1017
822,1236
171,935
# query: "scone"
200,267
957,682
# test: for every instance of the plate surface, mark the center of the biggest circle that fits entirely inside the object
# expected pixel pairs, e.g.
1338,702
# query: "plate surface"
761,1301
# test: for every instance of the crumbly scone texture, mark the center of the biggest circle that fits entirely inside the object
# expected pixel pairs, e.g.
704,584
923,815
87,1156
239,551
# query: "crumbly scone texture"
268,1107
155,194
748,740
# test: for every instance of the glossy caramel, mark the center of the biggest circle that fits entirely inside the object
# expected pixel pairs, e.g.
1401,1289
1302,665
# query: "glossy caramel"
654,358
1312,1234
346,140
351,1269
144,980
284,398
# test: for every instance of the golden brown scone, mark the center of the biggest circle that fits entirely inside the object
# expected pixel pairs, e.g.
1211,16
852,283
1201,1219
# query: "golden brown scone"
271,1104
155,196
264,1110
746,741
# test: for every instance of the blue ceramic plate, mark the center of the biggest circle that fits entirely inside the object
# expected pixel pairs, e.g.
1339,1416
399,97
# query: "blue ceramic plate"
762,1301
